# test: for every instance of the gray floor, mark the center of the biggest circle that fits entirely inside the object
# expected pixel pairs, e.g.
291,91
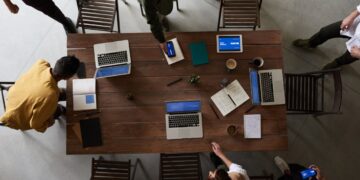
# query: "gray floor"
328,141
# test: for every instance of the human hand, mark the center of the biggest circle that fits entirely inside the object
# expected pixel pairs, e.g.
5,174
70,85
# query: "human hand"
355,52
346,23
163,47
318,173
216,149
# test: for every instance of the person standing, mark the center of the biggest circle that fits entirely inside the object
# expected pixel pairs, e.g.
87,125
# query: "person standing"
347,28
32,102
47,7
235,171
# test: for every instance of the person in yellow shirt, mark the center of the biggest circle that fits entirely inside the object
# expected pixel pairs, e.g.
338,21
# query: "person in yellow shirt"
32,102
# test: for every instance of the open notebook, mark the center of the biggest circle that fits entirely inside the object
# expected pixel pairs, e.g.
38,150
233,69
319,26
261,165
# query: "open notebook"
84,94
230,97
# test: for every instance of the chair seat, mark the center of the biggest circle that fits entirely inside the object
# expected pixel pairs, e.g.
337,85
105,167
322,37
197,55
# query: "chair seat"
180,166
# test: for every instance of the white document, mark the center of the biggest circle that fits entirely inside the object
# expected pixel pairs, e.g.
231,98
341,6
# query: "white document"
84,94
230,97
252,126
354,41
178,53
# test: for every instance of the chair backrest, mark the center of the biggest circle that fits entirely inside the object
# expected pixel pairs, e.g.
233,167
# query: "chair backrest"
267,177
305,92
239,14
98,15
102,169
4,87
180,166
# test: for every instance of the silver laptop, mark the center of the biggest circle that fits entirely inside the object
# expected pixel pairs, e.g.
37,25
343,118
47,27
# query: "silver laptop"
112,59
183,119
271,87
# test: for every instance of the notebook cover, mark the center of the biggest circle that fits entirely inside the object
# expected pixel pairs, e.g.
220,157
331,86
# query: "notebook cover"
91,132
199,53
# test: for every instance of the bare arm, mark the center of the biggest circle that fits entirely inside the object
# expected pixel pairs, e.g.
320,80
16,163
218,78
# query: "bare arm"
217,150
347,22
12,7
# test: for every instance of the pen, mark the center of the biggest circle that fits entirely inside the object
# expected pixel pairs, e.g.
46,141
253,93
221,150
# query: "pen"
252,107
212,108
173,82
231,99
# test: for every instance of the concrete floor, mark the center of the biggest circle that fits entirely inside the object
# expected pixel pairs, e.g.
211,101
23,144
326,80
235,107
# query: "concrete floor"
328,141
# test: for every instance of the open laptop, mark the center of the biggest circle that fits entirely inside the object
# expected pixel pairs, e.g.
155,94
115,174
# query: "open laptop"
267,87
183,119
112,59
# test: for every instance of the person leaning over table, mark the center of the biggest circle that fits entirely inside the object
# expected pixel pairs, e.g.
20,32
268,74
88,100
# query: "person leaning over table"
32,102
47,7
333,31
155,11
236,172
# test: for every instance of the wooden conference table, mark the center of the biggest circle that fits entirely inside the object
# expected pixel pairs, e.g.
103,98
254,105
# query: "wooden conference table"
138,126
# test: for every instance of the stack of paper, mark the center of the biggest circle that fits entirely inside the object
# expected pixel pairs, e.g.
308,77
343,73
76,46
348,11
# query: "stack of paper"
84,94
230,97
179,55
252,126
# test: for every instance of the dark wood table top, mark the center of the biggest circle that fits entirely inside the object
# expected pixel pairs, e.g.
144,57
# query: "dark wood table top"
138,126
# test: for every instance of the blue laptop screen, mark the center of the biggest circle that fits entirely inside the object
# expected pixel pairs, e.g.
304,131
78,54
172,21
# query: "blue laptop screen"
183,106
255,90
229,43
112,70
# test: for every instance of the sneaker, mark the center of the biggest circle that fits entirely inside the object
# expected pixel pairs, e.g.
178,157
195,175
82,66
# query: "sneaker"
281,164
302,43
70,28
331,65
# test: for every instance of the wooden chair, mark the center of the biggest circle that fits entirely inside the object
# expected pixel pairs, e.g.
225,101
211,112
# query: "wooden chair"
180,166
98,15
4,86
305,92
102,169
239,14
141,3
265,177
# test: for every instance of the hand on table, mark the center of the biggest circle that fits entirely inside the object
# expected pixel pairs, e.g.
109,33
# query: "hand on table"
355,52
318,173
216,149
163,47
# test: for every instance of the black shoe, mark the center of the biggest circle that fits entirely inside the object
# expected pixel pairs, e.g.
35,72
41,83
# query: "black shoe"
302,43
331,65
70,27
165,24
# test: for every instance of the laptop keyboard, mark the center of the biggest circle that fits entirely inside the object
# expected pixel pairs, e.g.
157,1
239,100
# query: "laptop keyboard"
267,87
112,58
184,120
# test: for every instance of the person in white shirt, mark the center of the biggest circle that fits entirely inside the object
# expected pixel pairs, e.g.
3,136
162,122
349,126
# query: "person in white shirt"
236,172
347,28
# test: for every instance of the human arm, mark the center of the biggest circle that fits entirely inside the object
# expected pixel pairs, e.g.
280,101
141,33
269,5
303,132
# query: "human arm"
318,173
348,20
154,21
218,151
12,7
355,52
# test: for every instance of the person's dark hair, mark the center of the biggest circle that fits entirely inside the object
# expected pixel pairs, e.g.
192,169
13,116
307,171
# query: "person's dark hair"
221,175
66,66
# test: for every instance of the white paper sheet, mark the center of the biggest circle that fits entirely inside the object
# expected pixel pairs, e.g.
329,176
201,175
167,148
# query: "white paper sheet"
252,126
179,55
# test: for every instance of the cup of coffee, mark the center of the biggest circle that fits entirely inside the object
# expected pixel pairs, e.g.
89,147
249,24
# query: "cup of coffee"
232,130
230,64
257,62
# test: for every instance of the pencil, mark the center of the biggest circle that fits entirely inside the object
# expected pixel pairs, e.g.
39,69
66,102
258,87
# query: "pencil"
252,107
173,82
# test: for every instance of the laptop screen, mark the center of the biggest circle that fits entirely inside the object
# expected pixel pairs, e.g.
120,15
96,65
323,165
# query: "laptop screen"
229,43
112,71
183,106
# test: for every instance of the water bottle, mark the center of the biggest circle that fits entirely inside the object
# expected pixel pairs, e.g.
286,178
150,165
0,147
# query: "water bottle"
307,173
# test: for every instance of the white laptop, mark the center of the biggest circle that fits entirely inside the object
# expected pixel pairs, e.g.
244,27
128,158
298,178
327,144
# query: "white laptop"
112,59
271,85
183,119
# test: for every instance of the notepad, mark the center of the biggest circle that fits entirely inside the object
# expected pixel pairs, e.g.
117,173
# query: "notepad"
230,97
252,126
179,55
84,94
199,53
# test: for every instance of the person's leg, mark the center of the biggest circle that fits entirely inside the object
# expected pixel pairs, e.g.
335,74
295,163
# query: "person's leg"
62,96
328,32
49,8
346,58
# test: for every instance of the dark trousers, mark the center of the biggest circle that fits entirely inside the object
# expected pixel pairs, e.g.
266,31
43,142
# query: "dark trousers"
49,8
328,32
